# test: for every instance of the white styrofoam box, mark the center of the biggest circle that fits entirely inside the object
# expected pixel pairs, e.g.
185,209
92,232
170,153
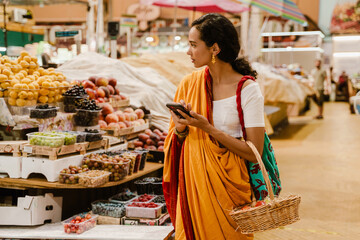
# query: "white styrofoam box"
10,165
32,210
49,168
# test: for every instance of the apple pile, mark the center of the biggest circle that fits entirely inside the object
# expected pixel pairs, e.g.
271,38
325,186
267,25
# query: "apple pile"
151,140
101,89
258,204
79,224
116,120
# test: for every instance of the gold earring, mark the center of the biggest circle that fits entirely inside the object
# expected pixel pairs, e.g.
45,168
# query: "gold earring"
213,60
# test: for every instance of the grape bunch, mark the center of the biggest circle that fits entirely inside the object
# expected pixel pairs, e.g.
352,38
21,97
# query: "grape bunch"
75,91
45,106
86,104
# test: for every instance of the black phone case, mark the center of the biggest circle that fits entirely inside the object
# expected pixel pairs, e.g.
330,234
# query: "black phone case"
175,107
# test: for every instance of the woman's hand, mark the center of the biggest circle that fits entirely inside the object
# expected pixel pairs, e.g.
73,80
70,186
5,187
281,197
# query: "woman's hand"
179,126
196,120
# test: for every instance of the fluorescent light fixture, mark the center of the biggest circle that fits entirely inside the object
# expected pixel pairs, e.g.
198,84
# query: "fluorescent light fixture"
273,34
293,49
2,49
346,38
149,39
177,38
346,54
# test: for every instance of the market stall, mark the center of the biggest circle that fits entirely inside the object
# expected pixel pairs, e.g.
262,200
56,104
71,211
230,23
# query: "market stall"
88,140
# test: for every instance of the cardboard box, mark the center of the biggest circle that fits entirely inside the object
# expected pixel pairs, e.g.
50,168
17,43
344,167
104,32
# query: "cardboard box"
142,221
32,210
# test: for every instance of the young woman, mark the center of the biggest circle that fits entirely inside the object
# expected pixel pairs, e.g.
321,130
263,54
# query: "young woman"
205,173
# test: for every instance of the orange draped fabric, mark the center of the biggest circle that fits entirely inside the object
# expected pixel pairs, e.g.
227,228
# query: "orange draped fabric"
202,181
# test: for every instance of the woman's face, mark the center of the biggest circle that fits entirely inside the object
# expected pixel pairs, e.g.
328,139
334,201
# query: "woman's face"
199,53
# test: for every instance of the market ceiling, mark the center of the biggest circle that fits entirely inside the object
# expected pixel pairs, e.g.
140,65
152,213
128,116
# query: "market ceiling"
41,2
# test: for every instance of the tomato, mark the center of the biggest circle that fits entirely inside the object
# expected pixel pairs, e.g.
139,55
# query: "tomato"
88,216
78,218
260,203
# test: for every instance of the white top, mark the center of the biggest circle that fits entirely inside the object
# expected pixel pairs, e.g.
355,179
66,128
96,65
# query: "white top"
225,114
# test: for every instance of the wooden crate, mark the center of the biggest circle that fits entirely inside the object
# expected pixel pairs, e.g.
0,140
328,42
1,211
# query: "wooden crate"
12,147
54,153
106,220
117,103
137,130
104,143
119,132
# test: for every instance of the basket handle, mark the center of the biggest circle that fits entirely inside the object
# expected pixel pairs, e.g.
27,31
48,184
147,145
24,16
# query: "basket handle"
262,168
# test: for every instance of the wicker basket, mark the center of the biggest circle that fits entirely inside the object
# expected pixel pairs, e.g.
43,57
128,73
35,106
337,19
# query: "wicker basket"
278,212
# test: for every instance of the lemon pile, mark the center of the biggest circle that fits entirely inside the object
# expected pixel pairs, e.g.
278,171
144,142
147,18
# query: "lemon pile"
25,83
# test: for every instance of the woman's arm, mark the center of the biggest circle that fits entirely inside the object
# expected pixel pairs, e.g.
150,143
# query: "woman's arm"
254,134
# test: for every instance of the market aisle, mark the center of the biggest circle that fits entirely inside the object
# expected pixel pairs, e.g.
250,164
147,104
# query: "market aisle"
319,159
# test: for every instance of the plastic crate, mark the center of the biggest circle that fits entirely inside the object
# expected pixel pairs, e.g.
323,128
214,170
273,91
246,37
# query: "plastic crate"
142,212
94,178
107,208
79,227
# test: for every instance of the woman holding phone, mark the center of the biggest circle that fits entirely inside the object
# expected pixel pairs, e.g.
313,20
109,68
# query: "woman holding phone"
205,173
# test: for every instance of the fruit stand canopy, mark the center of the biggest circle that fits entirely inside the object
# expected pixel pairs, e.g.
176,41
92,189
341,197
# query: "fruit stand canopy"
44,2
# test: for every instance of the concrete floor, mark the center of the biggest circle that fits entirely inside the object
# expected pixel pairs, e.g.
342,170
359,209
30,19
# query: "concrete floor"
320,160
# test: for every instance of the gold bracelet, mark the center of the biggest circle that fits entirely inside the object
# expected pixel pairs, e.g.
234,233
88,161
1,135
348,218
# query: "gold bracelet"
182,134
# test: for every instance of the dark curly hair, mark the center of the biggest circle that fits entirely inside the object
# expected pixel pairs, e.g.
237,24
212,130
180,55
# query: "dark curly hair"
215,28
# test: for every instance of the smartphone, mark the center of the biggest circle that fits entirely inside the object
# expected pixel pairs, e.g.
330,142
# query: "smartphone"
177,106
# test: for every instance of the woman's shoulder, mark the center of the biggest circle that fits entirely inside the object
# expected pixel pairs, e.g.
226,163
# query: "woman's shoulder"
193,77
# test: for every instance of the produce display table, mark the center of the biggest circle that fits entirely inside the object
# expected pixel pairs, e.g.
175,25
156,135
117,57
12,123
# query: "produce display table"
119,232
23,184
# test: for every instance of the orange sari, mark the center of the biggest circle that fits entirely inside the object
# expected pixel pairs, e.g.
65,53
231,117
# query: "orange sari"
202,181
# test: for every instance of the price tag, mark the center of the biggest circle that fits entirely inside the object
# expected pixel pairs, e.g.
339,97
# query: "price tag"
27,149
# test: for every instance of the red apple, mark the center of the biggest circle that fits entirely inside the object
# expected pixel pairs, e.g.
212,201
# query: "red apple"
102,124
88,84
140,113
111,89
133,116
160,148
127,123
113,126
92,79
121,117
92,93
101,100
112,118
123,97
128,110
112,82
127,116
106,90
141,121
101,81
100,92
260,203
148,132
107,109
117,91
122,125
